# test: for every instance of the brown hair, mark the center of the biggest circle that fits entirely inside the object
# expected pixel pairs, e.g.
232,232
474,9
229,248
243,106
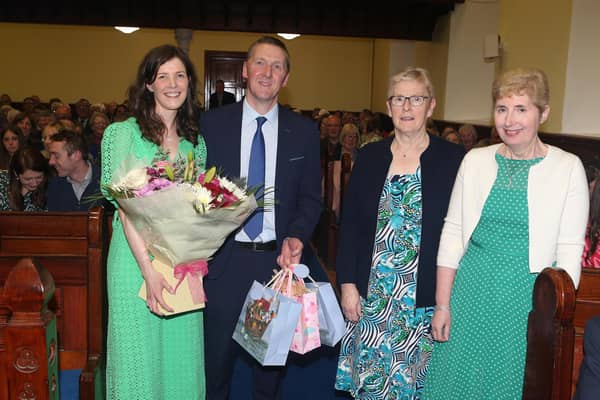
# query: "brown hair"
25,159
142,103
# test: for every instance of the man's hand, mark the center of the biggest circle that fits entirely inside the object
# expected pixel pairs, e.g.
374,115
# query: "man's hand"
291,252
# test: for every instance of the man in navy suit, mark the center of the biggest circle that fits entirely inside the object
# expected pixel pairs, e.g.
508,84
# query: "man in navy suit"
588,385
292,169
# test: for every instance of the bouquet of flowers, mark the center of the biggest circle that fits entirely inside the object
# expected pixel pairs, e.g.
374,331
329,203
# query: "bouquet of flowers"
184,215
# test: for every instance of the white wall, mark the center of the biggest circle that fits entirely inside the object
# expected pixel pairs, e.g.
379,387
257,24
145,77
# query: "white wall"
582,83
402,55
469,78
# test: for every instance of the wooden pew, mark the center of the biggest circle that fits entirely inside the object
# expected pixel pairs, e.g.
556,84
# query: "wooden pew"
73,248
555,332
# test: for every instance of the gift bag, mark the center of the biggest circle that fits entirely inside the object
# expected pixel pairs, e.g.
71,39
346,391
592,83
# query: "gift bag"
265,327
331,319
306,334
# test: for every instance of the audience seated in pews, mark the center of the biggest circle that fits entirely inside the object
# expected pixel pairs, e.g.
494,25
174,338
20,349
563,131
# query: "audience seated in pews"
588,384
23,186
78,179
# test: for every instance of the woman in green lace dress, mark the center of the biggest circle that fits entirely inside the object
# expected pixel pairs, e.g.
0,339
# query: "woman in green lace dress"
516,208
150,356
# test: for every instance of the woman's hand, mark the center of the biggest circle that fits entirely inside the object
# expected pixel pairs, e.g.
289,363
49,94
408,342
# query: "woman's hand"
155,284
440,324
351,302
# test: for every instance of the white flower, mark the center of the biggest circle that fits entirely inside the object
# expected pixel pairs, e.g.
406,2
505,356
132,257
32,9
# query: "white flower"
135,179
233,188
203,198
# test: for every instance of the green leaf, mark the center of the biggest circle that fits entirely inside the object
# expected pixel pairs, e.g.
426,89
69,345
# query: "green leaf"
169,171
210,174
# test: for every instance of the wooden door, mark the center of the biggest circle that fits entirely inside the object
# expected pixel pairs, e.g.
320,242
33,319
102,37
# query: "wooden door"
225,65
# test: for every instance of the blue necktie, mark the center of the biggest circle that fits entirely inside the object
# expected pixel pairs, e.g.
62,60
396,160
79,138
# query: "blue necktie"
256,178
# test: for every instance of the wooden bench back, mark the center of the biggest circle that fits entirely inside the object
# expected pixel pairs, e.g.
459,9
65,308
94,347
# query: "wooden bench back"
555,332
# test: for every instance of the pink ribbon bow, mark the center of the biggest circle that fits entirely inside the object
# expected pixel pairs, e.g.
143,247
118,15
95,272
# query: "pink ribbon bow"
194,271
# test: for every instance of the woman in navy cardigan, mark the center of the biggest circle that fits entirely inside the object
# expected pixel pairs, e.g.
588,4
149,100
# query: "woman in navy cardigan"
392,218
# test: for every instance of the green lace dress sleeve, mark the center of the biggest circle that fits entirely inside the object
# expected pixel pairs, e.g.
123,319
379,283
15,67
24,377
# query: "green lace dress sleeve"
116,144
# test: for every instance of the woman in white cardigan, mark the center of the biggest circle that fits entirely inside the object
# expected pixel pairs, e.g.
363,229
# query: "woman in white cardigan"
516,208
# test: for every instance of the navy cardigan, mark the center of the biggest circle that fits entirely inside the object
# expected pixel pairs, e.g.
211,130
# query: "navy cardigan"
439,165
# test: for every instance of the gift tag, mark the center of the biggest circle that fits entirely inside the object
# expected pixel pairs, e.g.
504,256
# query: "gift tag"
300,270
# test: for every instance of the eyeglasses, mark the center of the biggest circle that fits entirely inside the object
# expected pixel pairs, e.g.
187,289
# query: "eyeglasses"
415,101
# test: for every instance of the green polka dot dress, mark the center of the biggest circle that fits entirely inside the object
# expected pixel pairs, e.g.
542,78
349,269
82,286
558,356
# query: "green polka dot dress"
491,299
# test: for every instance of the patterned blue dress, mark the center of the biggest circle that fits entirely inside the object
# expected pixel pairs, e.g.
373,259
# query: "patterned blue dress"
386,353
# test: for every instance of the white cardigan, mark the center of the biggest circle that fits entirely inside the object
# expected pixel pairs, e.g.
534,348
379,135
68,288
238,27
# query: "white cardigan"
558,201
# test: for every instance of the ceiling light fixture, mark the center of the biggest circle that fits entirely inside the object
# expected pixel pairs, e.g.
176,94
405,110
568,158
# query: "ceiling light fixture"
127,29
289,36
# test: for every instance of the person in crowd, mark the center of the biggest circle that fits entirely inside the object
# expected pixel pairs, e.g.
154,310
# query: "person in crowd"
97,124
468,136
11,142
276,236
450,134
5,100
27,105
49,130
591,250
23,186
77,180
30,136
322,127
432,128
516,208
588,383
349,139
220,97
63,111
121,113
83,111
149,356
390,227
330,146
378,126
23,122
44,118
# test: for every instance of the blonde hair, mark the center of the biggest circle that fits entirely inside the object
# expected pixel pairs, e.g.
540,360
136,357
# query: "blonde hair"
412,74
349,129
519,81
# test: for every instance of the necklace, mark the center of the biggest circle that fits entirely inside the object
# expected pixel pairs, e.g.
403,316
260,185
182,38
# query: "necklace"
423,141
513,174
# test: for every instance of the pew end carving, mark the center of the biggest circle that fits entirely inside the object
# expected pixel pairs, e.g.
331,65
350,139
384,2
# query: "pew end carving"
30,361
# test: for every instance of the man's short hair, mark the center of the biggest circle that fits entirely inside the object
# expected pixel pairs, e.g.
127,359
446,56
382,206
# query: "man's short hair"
73,142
